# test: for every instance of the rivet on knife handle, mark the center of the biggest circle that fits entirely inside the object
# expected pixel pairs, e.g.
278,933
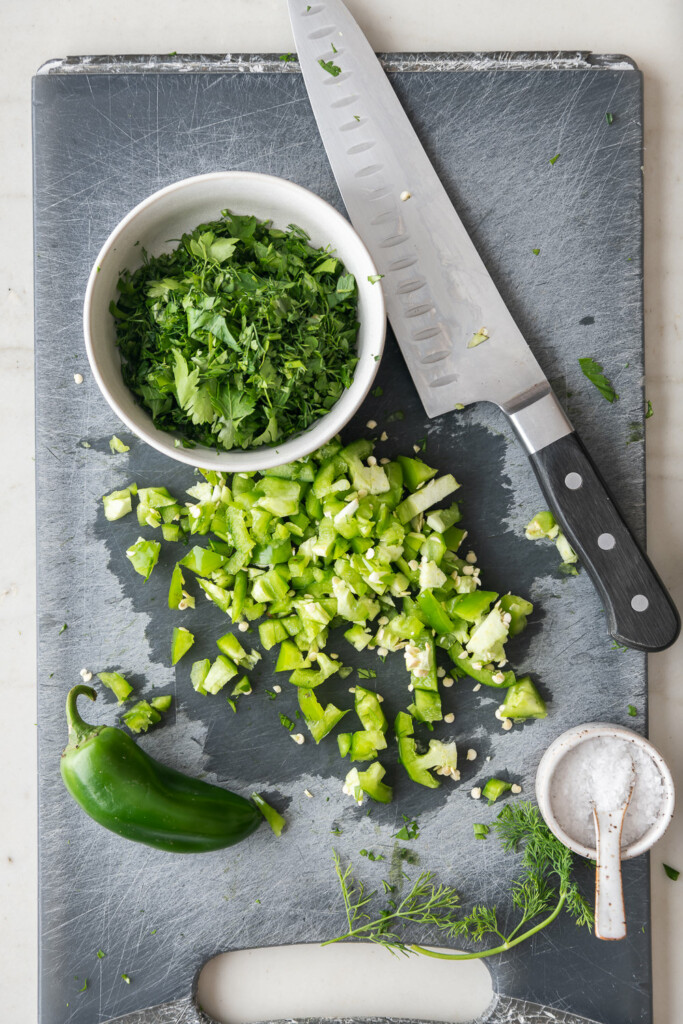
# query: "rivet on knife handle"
639,611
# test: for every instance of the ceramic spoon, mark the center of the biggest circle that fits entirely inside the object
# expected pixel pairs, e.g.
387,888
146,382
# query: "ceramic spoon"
610,917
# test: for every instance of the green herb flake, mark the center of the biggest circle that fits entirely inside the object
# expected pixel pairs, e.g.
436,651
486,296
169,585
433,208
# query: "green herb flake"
334,48
609,117
85,985
370,855
536,252
271,695
480,831
287,722
649,410
594,371
395,417
329,66
374,278
671,873
287,57
632,710
356,117
233,339
554,159
232,704
100,954
117,446
336,831
126,978
377,392
411,829
65,626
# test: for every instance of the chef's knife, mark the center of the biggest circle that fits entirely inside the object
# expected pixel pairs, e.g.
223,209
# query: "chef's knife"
457,337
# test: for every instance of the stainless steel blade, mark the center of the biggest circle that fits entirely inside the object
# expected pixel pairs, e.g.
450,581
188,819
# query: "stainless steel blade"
438,292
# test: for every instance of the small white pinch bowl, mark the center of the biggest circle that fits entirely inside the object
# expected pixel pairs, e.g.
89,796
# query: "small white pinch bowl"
156,225
569,741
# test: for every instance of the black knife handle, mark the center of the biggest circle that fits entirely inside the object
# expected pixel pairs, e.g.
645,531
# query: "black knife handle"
639,611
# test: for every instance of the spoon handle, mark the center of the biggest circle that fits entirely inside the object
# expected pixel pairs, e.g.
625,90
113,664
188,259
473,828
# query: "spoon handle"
610,918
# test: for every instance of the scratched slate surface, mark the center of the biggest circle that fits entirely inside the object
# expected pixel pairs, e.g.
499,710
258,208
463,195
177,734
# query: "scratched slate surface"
102,142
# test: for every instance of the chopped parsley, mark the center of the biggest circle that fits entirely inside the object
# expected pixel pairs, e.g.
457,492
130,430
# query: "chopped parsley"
241,336
85,985
649,410
632,710
329,66
271,695
287,722
594,371
126,978
410,830
100,954
554,159
609,117
536,252
334,48
287,57
671,873
65,626
377,392
356,117
393,417
370,855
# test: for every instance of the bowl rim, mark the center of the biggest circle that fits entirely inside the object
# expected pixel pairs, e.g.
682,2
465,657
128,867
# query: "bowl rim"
573,738
267,456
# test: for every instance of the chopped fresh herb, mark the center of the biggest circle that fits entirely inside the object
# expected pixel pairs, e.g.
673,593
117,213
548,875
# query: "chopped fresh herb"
329,66
239,337
100,954
356,117
458,406
232,704
649,411
287,722
370,855
65,626
422,444
374,278
671,873
554,159
594,371
334,48
287,57
632,710
85,985
117,445
308,7
408,855
393,417
410,830
536,252
153,931
367,673
618,647
271,695
543,890
635,432
336,831
126,978
609,117
480,831
377,392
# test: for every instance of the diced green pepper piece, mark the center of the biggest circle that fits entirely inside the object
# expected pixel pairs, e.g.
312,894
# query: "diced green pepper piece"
542,525
369,710
426,706
203,561
371,479
170,532
271,632
117,683
344,742
319,721
144,555
472,606
431,494
242,687
415,472
368,782
273,817
163,702
141,716
198,674
220,673
289,657
117,504
522,700
442,519
219,595
175,590
230,645
454,537
518,609
358,637
495,788
181,642
433,613
487,639
407,752
485,675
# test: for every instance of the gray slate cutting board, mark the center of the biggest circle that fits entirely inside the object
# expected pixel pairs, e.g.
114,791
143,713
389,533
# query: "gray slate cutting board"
108,132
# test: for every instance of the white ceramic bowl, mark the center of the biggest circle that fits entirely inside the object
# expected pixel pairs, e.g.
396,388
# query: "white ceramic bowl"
569,741
155,225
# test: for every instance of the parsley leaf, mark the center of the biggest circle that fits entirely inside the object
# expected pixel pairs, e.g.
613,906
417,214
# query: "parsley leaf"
329,66
671,873
594,371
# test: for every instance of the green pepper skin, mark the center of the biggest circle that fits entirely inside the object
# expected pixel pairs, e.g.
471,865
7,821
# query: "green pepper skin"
124,789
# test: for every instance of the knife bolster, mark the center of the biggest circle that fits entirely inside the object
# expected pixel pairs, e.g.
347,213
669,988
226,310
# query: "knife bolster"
539,422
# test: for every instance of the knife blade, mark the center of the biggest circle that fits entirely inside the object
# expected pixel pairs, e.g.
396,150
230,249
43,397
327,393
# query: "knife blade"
459,340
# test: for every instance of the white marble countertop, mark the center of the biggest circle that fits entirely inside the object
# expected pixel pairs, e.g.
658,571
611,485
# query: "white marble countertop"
37,30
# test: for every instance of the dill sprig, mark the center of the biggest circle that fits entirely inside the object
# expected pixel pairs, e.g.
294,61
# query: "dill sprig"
542,891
